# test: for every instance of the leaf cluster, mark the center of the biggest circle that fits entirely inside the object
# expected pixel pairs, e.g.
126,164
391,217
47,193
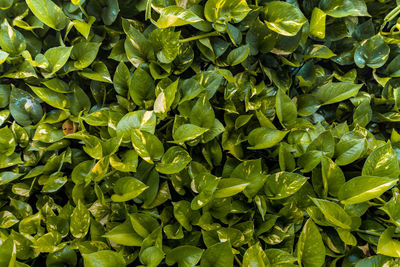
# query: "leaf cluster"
199,133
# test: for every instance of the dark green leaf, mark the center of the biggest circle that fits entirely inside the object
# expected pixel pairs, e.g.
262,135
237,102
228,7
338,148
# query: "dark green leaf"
284,18
49,13
127,188
218,255
265,137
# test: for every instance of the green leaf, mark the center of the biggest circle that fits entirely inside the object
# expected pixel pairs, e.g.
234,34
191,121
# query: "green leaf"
284,18
7,219
110,12
229,187
124,234
48,133
242,120
98,118
54,183
349,148
278,256
6,177
9,161
320,51
202,114
127,188
285,109
332,176
189,89
121,79
51,97
6,4
283,184
140,119
84,53
165,98
174,160
80,173
221,12
80,101
137,48
173,16
99,169
344,8
373,52
7,141
128,162
382,162
364,188
99,72
362,114
238,55
387,245
264,137
48,242
206,184
57,57
64,256
218,255
104,258
199,133
392,209
317,23
250,171
48,13
3,56
377,260
182,212
151,256
141,87
11,40
80,221
84,27
310,247
57,85
336,92
143,223
147,145
184,256
24,108
5,91
255,256
8,252
333,213
187,132
346,237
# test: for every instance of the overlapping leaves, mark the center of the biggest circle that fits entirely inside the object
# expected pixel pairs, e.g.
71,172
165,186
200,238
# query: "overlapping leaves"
199,133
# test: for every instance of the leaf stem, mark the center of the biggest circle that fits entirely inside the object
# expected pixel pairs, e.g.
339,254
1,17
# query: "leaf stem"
148,10
381,200
83,10
392,14
110,173
368,232
201,36
237,260
165,125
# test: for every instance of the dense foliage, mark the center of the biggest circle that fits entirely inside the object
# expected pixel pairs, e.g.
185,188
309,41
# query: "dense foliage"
199,132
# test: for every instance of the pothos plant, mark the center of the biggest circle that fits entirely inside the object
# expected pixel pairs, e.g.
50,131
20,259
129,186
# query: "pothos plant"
199,133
